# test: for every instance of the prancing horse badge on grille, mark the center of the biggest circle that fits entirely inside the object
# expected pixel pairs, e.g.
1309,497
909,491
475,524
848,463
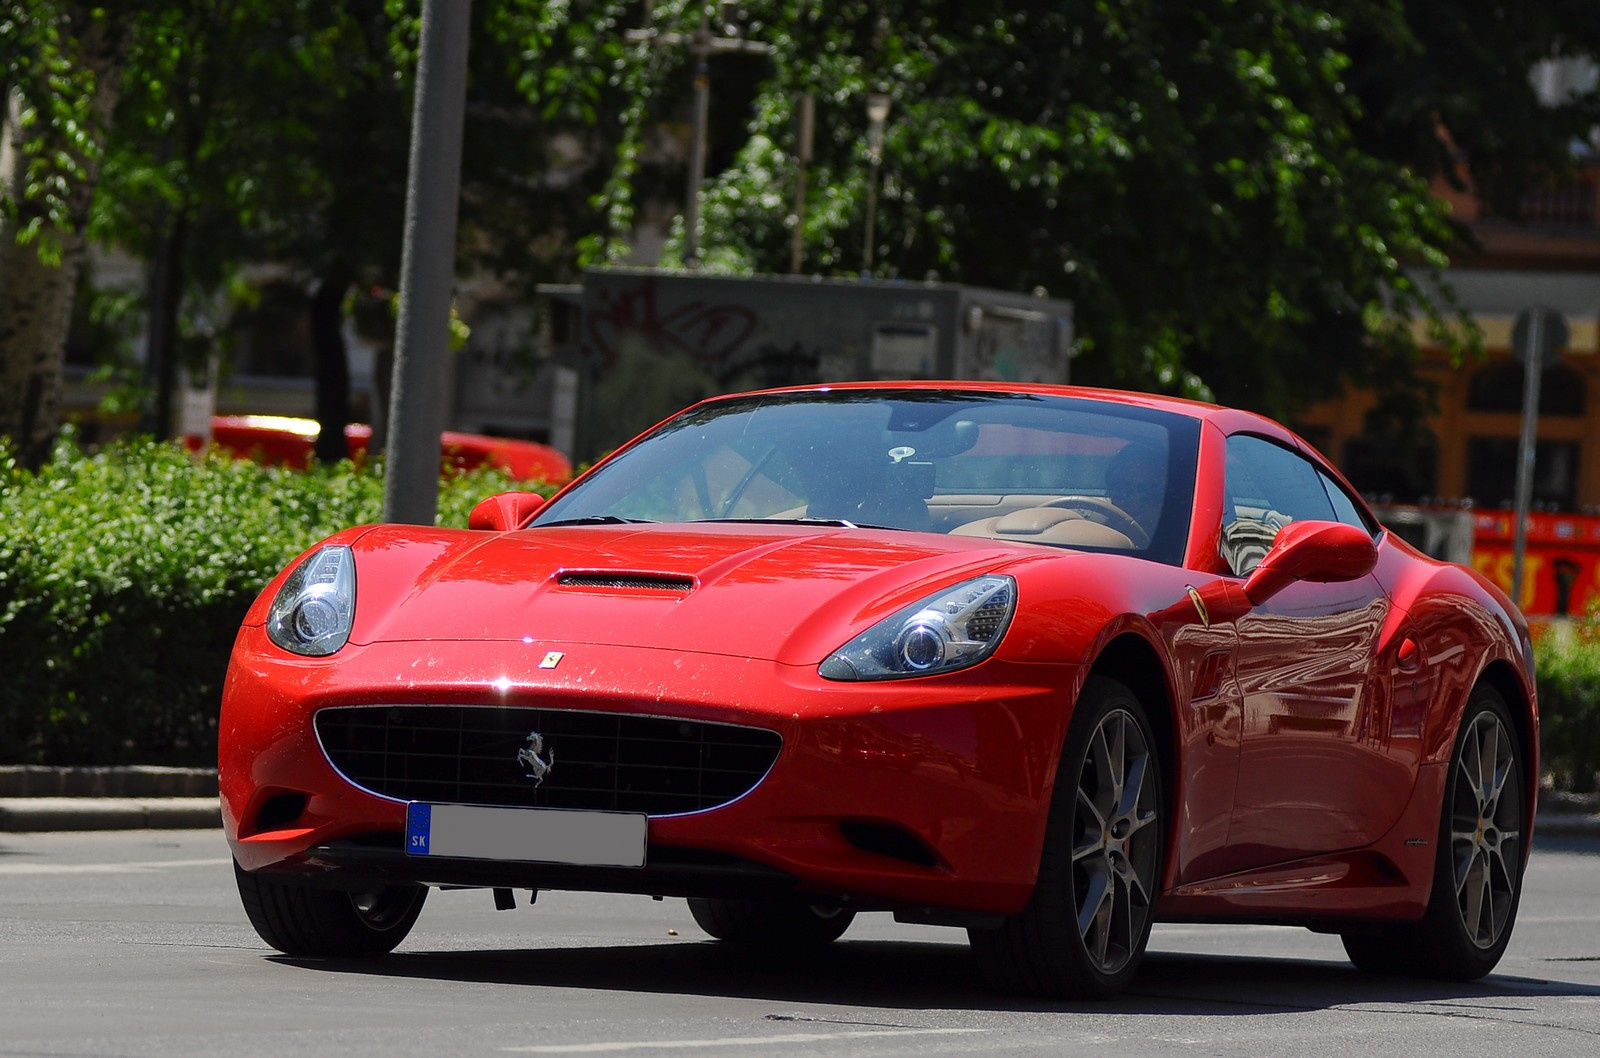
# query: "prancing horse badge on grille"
529,758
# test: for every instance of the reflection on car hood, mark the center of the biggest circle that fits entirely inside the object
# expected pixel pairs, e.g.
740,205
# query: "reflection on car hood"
748,590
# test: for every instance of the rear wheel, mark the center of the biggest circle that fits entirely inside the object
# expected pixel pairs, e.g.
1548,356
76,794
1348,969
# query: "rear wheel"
303,920
1085,928
1477,877
769,922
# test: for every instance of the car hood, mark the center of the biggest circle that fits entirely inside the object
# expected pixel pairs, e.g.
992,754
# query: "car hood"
756,591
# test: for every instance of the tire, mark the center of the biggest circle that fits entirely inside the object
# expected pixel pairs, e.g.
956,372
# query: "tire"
769,922
302,920
1477,875
1088,921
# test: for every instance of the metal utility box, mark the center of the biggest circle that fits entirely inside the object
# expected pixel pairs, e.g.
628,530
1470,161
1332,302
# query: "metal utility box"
645,343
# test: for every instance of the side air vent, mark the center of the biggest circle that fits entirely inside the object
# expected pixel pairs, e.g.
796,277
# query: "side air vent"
627,582
894,842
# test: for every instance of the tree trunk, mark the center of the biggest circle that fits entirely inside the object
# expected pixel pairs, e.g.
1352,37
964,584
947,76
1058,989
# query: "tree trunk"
332,364
35,293
382,380
165,298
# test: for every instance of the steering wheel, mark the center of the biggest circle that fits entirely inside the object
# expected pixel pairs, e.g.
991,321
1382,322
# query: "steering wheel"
1108,514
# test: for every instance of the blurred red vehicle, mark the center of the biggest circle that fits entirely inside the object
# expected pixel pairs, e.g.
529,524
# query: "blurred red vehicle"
1046,663
288,441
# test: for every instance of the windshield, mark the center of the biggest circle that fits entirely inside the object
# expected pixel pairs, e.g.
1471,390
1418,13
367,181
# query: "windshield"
1061,471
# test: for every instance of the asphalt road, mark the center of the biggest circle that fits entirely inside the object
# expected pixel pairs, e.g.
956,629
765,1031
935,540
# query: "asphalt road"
133,943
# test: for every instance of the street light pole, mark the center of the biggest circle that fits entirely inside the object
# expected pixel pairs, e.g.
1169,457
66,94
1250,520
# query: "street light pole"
1537,338
427,266
877,116
805,134
700,48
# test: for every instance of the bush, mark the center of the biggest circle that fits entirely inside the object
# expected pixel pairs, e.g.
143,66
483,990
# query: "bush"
1567,661
123,577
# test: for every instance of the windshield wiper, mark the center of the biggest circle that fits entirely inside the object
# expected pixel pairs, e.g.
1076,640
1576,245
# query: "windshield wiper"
837,523
597,519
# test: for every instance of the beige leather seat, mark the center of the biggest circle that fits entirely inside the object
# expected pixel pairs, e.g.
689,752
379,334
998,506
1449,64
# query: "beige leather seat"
1046,525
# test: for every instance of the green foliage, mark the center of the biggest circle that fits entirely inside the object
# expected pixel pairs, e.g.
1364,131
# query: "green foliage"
1568,665
124,575
1193,179
1236,197
41,57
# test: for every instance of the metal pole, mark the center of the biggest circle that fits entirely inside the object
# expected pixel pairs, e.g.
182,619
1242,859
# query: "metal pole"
805,133
1533,371
872,217
697,147
877,114
427,269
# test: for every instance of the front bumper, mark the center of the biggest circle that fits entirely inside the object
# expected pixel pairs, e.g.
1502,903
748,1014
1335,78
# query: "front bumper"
923,793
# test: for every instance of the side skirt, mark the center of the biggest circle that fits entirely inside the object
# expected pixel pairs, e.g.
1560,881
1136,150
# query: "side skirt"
1388,880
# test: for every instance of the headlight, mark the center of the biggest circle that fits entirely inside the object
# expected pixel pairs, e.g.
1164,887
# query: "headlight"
956,628
316,605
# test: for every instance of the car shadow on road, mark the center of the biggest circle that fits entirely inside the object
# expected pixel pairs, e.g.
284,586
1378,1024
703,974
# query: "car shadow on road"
915,975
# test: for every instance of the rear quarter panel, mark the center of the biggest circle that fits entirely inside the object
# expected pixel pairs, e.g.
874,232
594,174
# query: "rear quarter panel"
1468,630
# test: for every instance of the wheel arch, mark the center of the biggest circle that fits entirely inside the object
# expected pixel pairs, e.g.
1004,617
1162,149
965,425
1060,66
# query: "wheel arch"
1502,676
1135,662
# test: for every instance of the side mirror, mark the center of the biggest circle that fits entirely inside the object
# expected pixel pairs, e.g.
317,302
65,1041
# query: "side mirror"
505,511
1321,552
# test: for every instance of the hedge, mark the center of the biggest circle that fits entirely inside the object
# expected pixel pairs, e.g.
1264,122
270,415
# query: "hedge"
124,574
1567,658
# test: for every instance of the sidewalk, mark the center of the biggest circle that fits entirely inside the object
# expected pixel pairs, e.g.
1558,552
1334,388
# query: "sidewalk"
1567,815
35,798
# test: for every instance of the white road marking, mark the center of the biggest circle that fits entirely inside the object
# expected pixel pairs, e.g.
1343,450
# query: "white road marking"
106,868
732,1041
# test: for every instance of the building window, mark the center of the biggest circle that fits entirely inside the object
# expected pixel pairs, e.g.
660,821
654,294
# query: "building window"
1389,473
1497,387
1492,472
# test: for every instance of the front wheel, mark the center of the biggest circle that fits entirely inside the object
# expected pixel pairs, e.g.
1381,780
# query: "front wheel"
1477,877
1085,928
770,923
303,920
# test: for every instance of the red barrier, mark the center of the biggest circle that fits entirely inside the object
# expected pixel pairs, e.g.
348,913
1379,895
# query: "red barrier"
285,441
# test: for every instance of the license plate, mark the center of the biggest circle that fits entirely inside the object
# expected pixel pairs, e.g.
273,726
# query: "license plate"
533,835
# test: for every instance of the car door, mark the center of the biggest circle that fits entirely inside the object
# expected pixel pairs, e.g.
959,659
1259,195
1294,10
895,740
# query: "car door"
1313,776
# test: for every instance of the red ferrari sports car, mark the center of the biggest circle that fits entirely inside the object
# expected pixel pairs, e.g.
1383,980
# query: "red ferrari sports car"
1045,663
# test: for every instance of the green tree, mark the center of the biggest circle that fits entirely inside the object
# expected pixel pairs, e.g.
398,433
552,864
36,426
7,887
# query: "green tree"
278,130
1235,196
258,132
60,73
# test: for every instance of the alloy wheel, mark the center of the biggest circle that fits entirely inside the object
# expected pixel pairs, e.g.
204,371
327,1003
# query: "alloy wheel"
1115,844
1485,830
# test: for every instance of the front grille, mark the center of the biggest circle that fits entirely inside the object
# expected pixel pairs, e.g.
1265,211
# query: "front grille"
605,761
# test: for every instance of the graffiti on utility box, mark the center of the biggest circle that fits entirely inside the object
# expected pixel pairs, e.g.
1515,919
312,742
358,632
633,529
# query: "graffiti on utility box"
651,342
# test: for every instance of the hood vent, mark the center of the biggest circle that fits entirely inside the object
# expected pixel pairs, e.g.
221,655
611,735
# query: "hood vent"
620,581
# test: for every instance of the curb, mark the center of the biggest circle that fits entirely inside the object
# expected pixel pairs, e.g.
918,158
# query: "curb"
26,814
1565,825
141,781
